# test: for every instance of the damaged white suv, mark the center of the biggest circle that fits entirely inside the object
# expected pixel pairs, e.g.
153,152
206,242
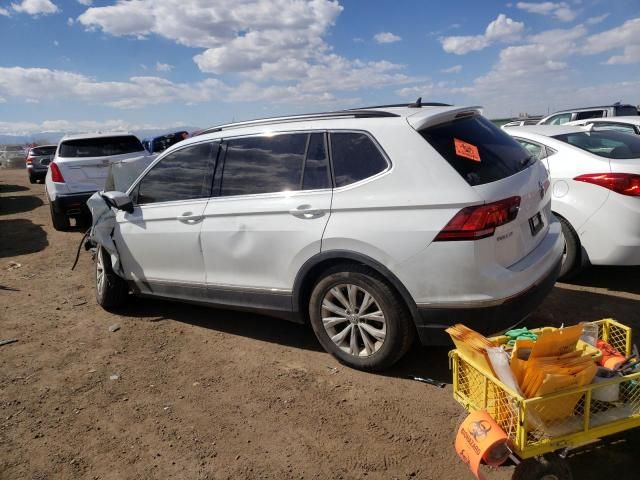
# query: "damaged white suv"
374,225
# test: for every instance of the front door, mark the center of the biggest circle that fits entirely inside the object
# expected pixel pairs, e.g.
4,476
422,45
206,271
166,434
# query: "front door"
159,243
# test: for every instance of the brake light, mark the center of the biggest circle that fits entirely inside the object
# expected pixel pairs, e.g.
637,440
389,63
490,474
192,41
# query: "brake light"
480,221
56,176
29,161
623,183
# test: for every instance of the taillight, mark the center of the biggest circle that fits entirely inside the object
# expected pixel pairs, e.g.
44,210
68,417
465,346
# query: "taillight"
480,221
623,183
56,176
29,161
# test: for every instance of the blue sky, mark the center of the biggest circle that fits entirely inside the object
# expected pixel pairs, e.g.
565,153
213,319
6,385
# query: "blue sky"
81,64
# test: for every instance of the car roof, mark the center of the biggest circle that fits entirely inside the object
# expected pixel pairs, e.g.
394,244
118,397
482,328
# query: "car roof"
82,136
580,109
631,119
419,113
44,146
548,130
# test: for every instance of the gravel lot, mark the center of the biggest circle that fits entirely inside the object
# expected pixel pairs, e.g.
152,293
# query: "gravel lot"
181,391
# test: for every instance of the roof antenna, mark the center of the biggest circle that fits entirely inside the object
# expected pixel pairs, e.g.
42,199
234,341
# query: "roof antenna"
417,104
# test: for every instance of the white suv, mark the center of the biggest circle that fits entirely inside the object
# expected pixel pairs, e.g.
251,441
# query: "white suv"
372,224
79,169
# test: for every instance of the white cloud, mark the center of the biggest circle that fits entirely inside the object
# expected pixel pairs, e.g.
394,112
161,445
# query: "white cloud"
56,43
5,13
35,7
626,36
241,38
3,100
70,21
319,87
562,10
67,126
454,69
163,67
386,37
502,29
598,19
86,3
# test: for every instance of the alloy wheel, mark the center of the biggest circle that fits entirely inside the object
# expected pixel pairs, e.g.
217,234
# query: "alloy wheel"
353,319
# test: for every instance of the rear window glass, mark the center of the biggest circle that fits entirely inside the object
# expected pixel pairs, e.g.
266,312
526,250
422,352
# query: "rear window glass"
100,147
604,143
38,151
478,150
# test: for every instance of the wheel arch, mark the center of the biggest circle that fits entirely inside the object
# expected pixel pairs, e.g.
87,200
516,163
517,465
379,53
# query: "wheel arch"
312,269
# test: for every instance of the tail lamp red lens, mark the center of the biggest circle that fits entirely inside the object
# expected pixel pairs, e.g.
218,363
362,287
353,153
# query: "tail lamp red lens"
480,221
29,160
623,183
56,175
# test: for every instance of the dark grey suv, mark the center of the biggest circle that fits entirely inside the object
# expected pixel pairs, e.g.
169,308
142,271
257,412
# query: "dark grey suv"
38,160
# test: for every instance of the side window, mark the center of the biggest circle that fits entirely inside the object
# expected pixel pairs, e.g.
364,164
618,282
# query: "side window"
589,114
535,150
559,119
355,157
182,175
264,164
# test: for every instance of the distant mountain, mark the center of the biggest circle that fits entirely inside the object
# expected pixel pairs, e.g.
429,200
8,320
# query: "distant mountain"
55,136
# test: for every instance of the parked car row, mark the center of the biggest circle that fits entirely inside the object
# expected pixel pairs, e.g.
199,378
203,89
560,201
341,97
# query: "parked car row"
374,225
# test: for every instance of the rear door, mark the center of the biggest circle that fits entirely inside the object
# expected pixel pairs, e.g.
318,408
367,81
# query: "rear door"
84,163
159,243
272,203
497,168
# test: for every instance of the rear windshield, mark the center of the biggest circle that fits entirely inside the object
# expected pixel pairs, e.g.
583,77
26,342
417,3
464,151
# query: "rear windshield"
38,151
604,143
627,110
100,147
478,150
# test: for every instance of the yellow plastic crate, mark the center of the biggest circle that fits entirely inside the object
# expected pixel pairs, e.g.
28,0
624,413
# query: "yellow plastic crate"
533,425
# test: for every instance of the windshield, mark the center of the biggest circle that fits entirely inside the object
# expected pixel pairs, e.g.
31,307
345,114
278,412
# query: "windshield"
100,147
604,143
478,150
39,151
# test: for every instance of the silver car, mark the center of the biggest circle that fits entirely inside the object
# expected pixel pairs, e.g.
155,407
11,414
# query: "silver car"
38,160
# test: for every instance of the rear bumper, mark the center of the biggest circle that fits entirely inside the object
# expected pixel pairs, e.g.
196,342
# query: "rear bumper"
74,204
485,317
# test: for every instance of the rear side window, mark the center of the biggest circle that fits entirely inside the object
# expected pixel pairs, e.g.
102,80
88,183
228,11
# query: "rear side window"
39,151
604,143
185,174
100,147
271,164
559,119
589,114
478,150
355,157
626,110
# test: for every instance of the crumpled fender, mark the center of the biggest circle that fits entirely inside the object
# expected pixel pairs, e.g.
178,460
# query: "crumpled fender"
102,226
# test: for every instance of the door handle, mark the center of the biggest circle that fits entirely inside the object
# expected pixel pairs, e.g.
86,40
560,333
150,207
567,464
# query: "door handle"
306,211
189,218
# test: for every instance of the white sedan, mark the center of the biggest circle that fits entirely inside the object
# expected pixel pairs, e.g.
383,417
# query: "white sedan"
595,176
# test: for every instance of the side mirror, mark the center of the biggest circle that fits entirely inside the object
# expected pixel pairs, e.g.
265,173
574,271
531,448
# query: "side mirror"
118,200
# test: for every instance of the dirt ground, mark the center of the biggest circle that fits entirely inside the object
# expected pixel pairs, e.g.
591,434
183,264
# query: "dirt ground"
181,391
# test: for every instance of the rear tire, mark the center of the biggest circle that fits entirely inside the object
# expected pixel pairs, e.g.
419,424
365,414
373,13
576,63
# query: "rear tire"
32,179
368,327
111,290
59,220
572,258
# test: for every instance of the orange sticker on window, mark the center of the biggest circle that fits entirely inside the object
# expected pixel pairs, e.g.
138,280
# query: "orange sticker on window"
466,150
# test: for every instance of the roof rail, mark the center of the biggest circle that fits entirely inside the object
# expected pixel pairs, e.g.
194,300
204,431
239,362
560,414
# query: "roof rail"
355,113
417,104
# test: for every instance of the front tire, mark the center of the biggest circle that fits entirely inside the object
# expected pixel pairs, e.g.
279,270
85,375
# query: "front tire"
59,220
359,318
111,290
